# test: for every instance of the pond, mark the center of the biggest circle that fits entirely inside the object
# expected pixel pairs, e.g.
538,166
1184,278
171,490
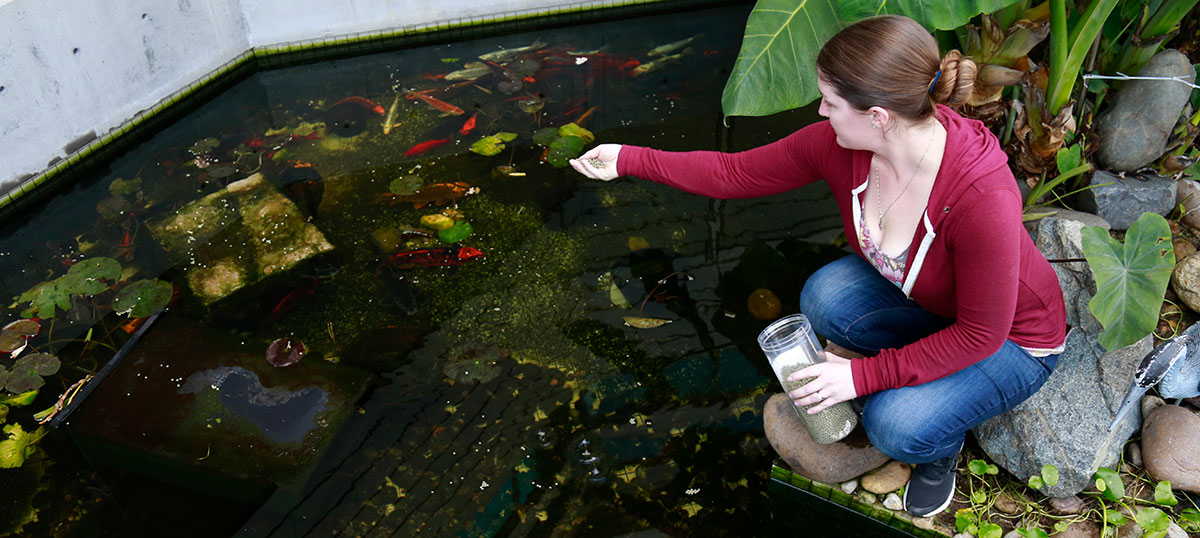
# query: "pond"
492,344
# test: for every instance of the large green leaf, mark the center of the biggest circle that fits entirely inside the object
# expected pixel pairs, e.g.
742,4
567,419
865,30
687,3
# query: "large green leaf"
776,68
18,445
1131,278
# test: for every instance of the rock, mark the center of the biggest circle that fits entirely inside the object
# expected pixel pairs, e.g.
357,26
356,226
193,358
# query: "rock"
1133,453
832,463
1182,248
849,486
1059,238
865,496
1121,200
1066,422
925,523
1169,441
890,477
1149,402
893,502
1175,531
1066,505
1187,194
1185,280
1080,529
1005,503
1134,131
1013,534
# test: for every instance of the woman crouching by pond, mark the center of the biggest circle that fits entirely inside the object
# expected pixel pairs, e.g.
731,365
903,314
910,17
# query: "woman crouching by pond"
958,314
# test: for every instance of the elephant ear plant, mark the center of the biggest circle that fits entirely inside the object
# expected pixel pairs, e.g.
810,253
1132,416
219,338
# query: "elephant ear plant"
1131,278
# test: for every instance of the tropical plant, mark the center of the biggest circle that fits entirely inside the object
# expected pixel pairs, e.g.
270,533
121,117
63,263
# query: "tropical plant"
1157,22
776,68
1131,278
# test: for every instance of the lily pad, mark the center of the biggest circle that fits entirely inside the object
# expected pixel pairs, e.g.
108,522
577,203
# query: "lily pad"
124,187
204,145
645,323
25,328
96,269
1131,278
406,185
20,400
10,342
27,372
18,446
572,129
437,221
459,231
43,298
488,146
285,351
564,149
142,298
545,137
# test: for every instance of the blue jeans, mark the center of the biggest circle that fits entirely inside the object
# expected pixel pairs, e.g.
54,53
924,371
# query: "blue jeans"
850,303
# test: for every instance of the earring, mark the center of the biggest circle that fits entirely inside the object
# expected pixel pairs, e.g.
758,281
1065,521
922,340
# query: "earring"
874,125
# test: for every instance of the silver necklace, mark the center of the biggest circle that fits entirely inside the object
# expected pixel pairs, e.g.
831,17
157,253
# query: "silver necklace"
879,192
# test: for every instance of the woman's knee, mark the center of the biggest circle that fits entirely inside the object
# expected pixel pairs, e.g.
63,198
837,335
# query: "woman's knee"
900,433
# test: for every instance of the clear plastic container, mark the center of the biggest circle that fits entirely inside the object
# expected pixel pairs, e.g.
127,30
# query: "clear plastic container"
791,345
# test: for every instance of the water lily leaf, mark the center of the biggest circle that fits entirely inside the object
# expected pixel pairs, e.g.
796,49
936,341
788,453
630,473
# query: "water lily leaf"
42,299
25,328
506,137
406,185
124,187
488,146
776,68
10,342
18,445
204,145
38,363
94,269
20,400
437,221
459,231
285,351
645,323
1131,278
564,149
571,129
23,379
545,137
142,298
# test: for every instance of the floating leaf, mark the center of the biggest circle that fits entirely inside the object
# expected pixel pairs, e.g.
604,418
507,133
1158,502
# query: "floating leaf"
285,351
459,231
142,298
1131,278
615,296
1109,483
42,299
564,149
10,341
124,187
20,400
25,328
437,221
637,243
39,363
645,323
572,129
488,146
1164,495
545,137
18,445
96,269
406,185
204,145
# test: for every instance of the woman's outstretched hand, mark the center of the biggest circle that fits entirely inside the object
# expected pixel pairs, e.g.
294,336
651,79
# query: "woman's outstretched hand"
833,384
599,162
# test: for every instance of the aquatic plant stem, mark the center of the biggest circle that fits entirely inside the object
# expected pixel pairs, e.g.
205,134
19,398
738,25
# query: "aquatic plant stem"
660,282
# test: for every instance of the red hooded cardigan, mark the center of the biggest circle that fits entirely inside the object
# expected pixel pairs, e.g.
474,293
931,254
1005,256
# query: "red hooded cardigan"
976,263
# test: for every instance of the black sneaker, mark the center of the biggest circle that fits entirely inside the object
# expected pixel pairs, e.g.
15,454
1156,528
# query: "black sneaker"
931,486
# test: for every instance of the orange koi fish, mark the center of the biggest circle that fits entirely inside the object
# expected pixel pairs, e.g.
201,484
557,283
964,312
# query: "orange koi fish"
425,146
434,102
469,125
371,105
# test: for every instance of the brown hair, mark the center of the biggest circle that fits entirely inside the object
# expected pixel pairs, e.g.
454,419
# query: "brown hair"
893,62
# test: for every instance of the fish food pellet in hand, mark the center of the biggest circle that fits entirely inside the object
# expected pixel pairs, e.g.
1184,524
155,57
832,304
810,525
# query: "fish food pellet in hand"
597,163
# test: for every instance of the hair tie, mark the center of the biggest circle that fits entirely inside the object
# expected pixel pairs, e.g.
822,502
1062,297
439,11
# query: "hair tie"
933,84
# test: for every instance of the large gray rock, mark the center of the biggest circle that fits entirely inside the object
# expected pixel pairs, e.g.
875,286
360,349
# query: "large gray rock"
1059,238
1066,422
1121,200
1134,131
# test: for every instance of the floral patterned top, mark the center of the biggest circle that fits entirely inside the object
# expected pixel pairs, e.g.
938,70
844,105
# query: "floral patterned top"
891,268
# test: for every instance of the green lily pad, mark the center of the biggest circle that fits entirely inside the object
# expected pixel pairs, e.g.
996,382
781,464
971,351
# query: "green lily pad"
571,129
455,233
1131,278
20,400
545,137
124,187
564,149
25,328
11,341
39,363
488,146
204,145
18,446
97,269
406,185
142,298
437,221
43,298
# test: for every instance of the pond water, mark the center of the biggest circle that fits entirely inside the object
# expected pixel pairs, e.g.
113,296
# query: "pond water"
499,384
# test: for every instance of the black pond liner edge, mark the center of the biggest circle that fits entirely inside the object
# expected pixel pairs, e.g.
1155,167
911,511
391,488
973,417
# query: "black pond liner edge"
143,125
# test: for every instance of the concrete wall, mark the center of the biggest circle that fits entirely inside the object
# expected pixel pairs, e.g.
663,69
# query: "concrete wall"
73,70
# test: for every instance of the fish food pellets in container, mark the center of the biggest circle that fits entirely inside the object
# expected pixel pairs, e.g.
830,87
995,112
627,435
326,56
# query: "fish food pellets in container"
790,346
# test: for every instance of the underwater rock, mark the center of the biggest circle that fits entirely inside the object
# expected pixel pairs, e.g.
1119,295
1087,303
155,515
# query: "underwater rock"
346,119
236,237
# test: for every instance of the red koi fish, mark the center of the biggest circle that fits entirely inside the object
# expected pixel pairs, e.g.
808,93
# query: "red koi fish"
434,257
289,302
434,102
425,146
371,105
469,125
